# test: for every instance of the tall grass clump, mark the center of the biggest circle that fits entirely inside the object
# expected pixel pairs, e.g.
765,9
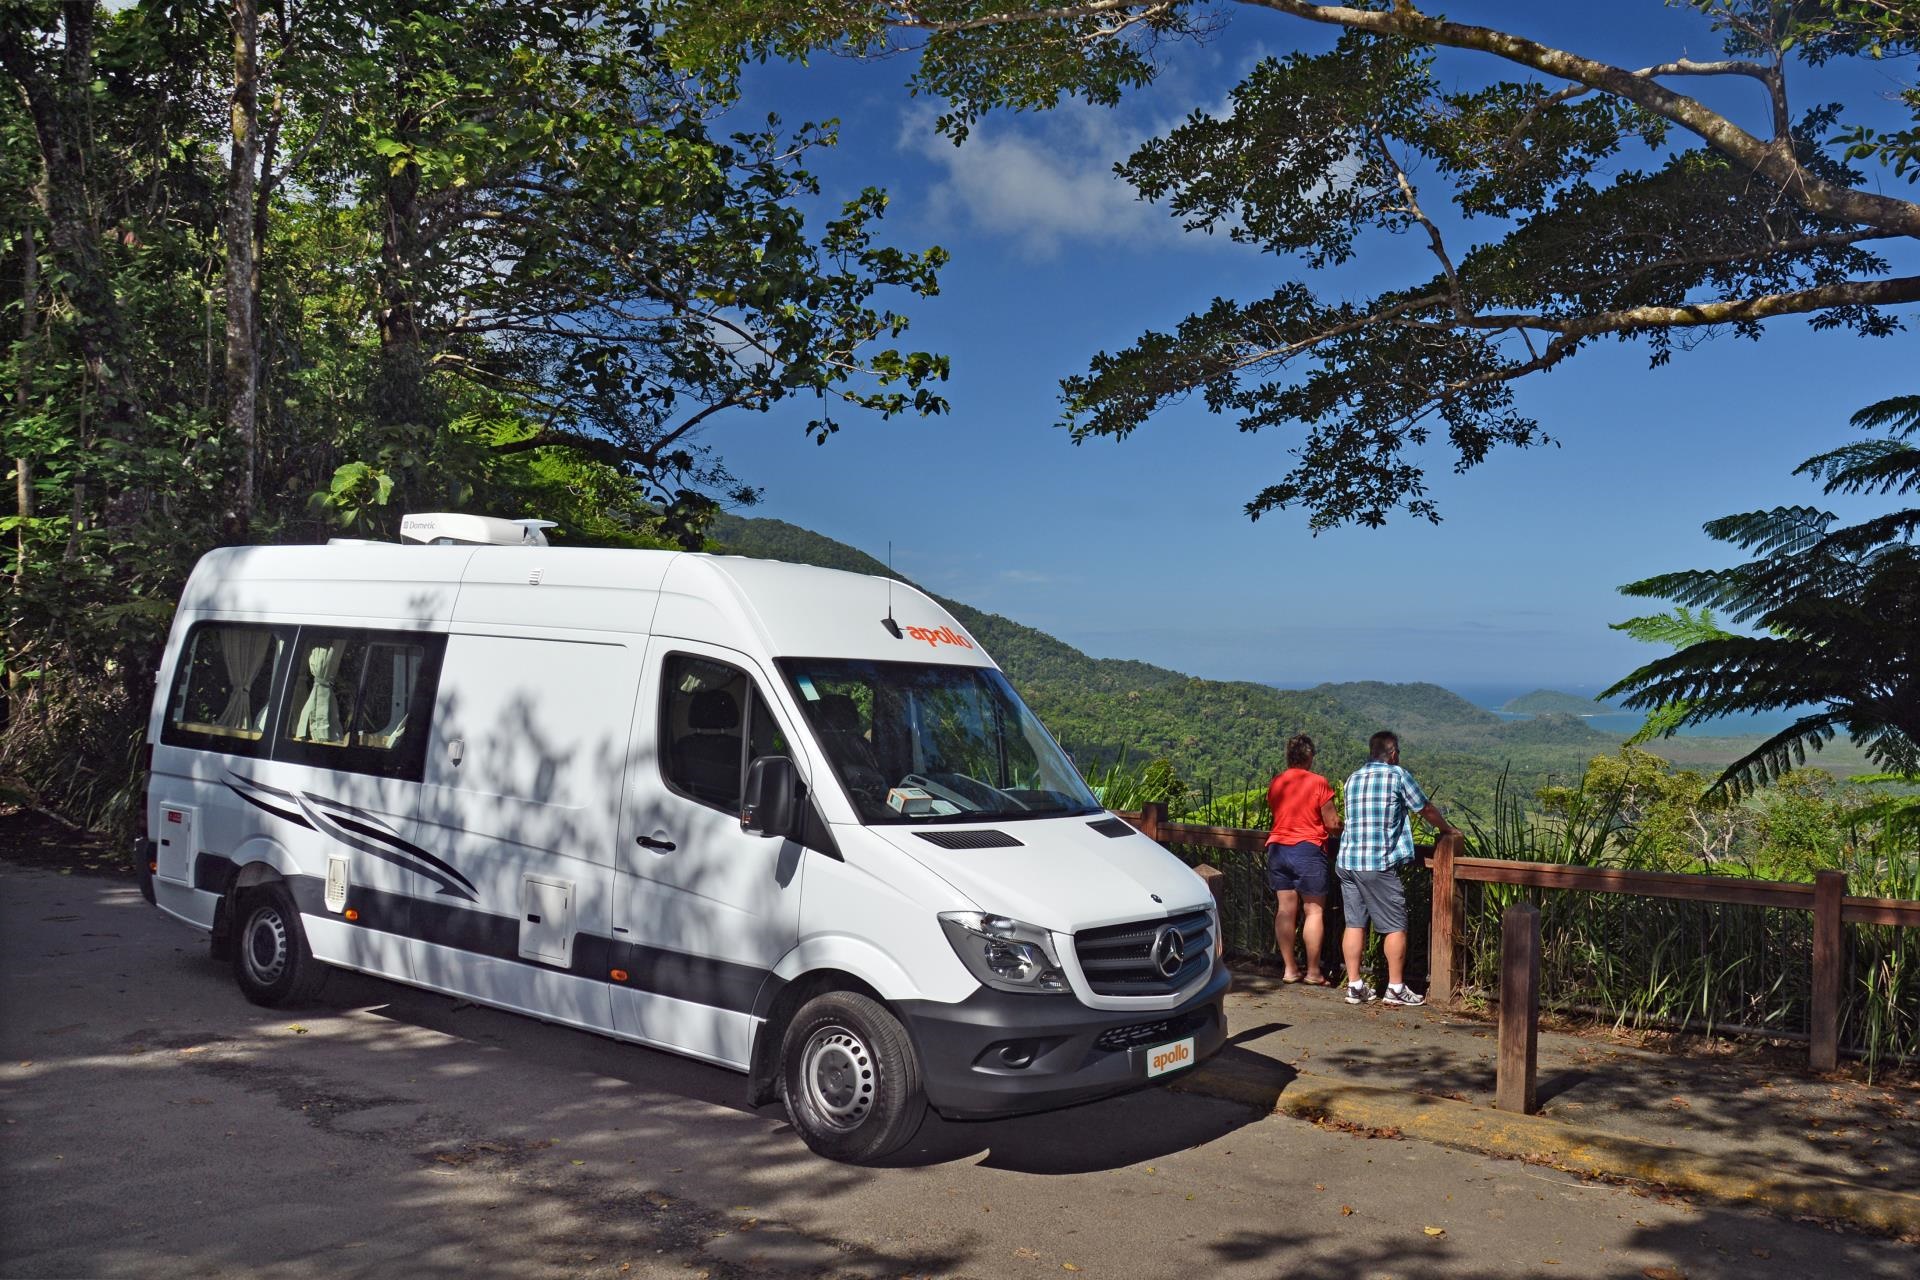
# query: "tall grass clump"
1660,963
1880,1006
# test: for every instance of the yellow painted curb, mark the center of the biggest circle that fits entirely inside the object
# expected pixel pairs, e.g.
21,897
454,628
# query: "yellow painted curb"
1470,1127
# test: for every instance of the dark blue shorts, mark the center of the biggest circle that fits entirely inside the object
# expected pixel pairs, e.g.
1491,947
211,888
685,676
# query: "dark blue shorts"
1297,868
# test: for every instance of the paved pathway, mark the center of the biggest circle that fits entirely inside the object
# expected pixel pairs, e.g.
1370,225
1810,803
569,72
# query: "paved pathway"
152,1123
1737,1099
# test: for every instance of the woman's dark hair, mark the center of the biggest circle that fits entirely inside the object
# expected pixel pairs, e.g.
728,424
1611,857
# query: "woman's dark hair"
1299,751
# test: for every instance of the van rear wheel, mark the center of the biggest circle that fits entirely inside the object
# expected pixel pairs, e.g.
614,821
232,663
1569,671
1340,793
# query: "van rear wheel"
850,1078
271,960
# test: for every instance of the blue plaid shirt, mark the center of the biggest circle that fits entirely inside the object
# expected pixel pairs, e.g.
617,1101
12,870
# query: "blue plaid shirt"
1378,837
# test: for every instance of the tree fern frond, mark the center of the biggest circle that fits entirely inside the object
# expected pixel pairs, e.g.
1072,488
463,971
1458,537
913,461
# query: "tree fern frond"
1857,539
1777,531
1898,414
1680,628
1782,753
1703,588
1868,466
1840,609
1663,721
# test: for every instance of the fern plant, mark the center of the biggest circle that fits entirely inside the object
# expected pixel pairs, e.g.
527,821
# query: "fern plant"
1837,609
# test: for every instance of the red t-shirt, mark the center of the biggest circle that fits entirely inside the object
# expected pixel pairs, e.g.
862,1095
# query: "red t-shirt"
1295,798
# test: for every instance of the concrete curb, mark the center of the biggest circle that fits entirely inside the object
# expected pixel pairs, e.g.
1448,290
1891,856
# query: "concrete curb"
1467,1126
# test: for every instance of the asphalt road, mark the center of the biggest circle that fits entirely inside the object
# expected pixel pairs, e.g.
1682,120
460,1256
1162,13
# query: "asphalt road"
153,1123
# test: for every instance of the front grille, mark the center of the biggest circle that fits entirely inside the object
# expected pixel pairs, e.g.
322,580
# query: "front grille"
975,839
1119,958
1149,1032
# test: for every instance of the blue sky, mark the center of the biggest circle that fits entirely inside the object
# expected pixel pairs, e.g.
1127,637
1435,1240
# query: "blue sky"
1140,549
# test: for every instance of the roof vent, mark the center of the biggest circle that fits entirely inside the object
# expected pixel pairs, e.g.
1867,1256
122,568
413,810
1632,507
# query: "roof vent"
447,528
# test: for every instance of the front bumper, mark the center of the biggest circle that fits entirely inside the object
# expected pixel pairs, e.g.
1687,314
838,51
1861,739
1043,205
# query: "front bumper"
1001,1053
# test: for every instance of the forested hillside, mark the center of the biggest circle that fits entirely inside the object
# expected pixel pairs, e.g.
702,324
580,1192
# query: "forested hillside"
1226,735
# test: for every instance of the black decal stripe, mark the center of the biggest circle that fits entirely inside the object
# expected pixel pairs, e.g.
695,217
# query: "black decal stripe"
405,864
361,823
298,819
406,847
262,787
721,984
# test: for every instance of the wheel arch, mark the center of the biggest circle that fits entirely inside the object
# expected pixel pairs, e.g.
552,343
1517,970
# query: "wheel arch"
763,1072
257,862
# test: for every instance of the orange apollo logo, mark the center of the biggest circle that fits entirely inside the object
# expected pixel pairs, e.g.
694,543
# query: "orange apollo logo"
939,636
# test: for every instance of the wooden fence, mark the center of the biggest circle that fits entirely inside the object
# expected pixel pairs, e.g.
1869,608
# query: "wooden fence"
1826,898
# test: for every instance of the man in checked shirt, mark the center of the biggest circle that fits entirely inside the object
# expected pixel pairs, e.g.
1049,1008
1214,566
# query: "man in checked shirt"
1378,841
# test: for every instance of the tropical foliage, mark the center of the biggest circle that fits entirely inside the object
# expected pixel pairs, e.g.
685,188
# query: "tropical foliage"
1837,607
277,270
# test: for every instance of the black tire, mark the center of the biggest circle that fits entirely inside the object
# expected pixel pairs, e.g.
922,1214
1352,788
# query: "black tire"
271,960
850,1078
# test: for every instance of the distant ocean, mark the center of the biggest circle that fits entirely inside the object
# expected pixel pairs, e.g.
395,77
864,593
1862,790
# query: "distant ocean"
1492,697
1495,696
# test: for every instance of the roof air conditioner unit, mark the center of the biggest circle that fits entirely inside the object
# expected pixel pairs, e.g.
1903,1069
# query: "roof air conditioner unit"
447,528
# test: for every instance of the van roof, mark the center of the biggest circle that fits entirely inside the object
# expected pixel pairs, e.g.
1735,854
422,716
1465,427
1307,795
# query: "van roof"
735,601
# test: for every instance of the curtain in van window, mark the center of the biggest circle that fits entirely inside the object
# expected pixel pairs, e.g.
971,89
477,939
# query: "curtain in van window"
243,650
317,722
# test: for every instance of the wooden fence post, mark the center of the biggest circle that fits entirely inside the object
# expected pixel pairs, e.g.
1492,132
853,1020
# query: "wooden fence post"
1153,816
1216,885
1444,928
1518,1066
1829,940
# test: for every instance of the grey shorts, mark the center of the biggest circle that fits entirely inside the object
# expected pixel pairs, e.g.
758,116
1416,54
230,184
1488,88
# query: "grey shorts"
1375,896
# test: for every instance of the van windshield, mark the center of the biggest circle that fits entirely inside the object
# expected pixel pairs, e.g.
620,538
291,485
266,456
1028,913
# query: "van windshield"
918,742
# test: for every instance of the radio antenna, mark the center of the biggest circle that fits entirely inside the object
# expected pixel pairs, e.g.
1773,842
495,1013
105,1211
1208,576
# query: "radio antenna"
893,628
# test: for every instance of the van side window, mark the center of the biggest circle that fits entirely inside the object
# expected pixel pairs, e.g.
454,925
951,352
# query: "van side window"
360,701
223,687
712,721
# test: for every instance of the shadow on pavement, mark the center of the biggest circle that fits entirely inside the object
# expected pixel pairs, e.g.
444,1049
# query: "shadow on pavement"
1107,1134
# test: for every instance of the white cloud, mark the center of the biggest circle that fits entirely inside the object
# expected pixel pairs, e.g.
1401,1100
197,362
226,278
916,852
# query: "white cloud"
1045,185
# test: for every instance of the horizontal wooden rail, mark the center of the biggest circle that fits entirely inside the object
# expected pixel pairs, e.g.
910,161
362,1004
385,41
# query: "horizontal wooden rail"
1643,884
1894,911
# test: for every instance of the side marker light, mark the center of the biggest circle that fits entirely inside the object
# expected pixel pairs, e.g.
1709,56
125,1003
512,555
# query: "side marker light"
352,914
618,975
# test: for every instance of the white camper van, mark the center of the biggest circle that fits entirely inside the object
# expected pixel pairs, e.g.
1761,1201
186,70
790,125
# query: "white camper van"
788,820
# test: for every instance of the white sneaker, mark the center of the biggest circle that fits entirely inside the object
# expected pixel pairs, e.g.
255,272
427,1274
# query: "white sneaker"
1402,997
1360,993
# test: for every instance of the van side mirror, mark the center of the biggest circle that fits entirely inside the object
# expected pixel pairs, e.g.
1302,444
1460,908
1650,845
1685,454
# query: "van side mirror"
771,800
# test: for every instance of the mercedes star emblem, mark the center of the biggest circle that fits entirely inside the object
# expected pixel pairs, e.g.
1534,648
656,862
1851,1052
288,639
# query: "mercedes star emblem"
1169,949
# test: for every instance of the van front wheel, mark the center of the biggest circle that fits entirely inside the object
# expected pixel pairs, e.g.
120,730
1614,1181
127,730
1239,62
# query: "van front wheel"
271,960
850,1078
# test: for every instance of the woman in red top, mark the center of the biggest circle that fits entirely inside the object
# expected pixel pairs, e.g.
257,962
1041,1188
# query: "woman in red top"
1303,816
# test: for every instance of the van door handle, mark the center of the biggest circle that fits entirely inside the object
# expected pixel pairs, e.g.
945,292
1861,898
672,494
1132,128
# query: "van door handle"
648,842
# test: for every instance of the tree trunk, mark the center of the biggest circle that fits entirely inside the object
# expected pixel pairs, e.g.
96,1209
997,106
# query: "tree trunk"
399,403
243,350
22,465
57,101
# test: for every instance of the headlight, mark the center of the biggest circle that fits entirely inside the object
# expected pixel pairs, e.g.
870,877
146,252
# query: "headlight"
1004,953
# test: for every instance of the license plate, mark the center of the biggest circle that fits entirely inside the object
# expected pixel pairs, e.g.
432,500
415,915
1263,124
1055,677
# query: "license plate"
1163,1058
